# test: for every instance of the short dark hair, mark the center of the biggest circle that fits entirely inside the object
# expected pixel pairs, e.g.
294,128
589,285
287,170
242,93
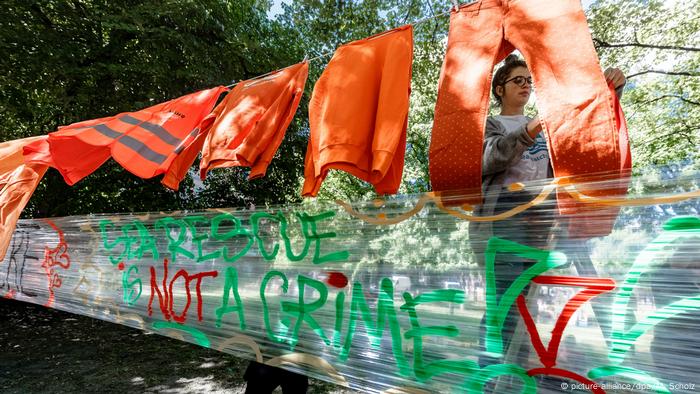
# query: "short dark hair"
512,62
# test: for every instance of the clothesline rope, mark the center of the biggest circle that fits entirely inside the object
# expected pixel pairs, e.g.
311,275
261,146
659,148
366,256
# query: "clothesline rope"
426,19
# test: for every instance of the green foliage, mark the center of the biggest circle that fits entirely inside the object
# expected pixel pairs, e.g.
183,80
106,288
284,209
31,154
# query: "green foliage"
425,244
67,61
661,108
658,46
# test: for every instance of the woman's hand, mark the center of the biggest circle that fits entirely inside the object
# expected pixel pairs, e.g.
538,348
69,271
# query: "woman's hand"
534,127
615,76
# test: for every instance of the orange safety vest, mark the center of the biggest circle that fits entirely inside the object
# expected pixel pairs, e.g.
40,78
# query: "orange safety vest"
145,142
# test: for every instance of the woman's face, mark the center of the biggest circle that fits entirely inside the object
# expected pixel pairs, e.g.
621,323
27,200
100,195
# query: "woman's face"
514,94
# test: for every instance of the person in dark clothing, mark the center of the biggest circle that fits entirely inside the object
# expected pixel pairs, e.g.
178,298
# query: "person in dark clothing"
261,378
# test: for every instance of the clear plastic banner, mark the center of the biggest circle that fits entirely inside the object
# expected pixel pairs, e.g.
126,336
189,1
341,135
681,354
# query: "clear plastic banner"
407,294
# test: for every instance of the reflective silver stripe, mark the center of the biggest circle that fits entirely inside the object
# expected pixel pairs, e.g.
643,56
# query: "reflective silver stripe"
142,149
182,146
105,130
130,142
155,129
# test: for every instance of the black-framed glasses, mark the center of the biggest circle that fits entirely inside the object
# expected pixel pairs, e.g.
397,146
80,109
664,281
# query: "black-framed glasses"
520,81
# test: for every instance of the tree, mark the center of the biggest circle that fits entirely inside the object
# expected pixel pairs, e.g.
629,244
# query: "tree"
658,45
67,61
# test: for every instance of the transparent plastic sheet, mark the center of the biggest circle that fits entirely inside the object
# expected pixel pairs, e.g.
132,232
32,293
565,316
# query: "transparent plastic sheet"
402,294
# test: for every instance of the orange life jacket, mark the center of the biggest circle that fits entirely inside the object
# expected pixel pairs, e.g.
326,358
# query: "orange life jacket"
145,142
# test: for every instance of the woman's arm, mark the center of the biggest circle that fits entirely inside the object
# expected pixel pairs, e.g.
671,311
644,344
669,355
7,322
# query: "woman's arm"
501,148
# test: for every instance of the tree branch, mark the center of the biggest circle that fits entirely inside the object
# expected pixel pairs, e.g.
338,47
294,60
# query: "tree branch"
79,7
689,131
408,13
669,96
36,9
436,26
602,44
681,73
686,131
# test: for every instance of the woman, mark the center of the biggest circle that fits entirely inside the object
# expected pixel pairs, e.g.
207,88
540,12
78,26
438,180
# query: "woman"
514,148
515,151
